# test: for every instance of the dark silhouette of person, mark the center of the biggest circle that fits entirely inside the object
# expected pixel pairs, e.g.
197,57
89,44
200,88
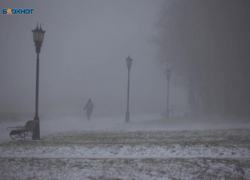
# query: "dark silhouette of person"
89,107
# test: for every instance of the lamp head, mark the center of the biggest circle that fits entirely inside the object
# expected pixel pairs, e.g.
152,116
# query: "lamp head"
38,35
129,62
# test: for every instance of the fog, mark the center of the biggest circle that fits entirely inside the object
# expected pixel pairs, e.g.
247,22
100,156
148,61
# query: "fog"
189,90
84,56
86,44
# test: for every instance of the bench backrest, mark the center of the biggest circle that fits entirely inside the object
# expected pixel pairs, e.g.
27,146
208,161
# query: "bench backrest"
30,125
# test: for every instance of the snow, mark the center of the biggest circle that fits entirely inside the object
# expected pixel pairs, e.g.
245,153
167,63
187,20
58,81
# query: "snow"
31,168
108,148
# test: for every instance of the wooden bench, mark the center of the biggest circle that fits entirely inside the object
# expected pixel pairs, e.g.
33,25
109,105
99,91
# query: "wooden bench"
21,132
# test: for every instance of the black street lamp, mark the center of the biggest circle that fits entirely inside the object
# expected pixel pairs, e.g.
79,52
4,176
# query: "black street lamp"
129,63
38,35
168,77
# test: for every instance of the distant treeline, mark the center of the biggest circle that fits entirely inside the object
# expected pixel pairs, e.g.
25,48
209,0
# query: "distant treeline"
207,43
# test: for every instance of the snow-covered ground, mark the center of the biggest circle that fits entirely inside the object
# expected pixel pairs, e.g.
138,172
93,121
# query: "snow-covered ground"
107,148
135,144
163,169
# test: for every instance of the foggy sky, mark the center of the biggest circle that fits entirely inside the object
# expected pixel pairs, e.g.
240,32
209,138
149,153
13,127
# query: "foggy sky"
83,56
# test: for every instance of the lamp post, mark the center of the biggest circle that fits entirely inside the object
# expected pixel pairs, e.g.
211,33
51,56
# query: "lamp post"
129,63
168,77
38,35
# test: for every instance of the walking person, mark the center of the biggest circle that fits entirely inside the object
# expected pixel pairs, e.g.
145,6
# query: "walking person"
89,107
